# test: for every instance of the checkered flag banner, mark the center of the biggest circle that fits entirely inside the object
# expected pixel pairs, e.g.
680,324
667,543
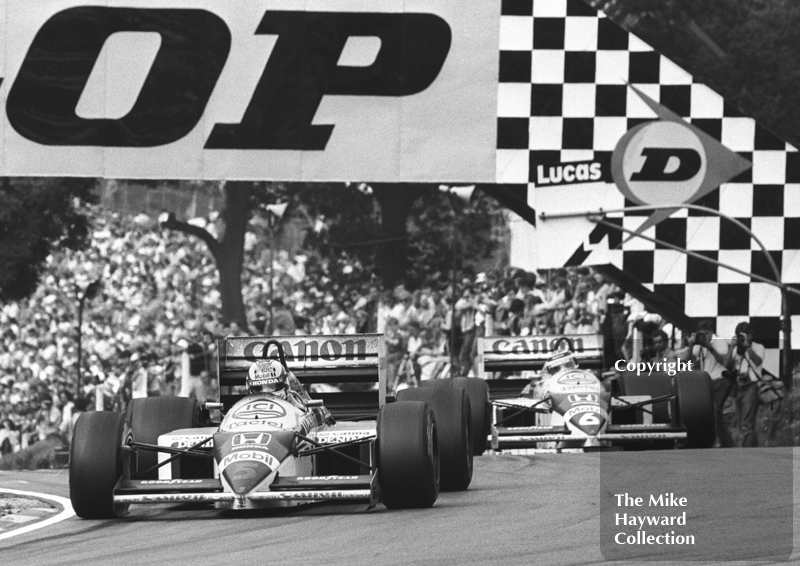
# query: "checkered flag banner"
591,117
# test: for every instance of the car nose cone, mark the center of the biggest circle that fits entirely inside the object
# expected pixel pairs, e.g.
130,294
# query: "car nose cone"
245,459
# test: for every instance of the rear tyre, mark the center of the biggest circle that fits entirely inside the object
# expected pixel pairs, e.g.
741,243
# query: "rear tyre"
408,455
481,409
95,464
451,407
150,417
478,392
695,408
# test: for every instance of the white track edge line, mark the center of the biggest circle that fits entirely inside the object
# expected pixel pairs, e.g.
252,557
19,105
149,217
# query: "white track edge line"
65,514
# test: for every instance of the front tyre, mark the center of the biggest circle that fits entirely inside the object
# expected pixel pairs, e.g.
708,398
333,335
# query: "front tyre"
695,408
95,464
408,455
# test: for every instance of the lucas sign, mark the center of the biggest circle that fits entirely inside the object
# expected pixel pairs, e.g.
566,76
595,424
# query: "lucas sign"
250,89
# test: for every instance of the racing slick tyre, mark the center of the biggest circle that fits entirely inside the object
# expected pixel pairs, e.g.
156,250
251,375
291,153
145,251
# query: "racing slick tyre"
95,464
451,407
150,417
481,410
695,408
408,455
657,384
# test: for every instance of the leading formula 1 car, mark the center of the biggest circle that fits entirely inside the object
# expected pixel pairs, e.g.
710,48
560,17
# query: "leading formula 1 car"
276,445
569,407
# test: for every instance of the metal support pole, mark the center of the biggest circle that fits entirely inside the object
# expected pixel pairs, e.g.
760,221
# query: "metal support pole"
81,301
453,286
270,326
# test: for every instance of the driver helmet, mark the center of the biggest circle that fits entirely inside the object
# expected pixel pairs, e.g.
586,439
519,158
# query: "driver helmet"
266,376
559,361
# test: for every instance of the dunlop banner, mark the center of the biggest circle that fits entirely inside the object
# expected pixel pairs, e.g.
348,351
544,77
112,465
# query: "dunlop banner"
250,89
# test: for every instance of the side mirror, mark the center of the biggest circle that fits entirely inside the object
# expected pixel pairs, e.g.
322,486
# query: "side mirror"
314,403
212,405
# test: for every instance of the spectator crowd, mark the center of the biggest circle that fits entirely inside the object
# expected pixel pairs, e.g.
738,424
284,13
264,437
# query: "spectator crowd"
159,304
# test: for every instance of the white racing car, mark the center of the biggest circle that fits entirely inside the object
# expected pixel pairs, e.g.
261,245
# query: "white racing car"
567,406
275,445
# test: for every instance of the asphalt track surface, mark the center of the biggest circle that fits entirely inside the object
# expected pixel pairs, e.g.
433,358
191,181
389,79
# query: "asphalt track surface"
539,509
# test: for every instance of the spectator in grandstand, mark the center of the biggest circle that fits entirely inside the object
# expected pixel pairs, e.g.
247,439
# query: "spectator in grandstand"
404,310
615,328
395,349
746,364
432,357
260,323
641,326
48,418
524,283
559,301
9,437
282,319
386,303
532,310
466,311
543,325
541,289
505,294
512,325
67,408
425,305
577,322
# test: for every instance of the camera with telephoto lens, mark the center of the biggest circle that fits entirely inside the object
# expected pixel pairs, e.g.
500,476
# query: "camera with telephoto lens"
741,344
735,377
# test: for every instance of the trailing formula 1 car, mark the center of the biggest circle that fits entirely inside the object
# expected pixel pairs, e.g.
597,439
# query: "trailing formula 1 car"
565,405
272,444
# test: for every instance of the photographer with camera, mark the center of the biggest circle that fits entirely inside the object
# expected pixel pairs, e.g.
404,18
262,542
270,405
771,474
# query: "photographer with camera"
747,358
711,354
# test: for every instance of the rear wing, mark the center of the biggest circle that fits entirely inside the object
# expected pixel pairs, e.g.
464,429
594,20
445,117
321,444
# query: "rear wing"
331,359
519,353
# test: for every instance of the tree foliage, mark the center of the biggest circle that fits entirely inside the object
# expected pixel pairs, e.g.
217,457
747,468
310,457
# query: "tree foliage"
347,229
433,222
745,51
37,216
